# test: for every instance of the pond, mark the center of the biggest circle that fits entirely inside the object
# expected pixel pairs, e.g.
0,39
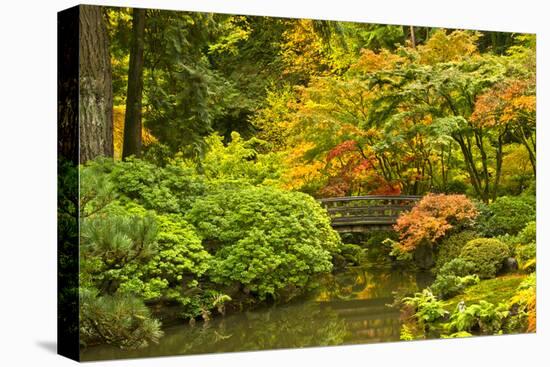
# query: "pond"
351,307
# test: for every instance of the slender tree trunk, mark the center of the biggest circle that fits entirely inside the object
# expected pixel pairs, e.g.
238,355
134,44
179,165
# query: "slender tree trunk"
413,38
532,157
498,158
132,119
96,94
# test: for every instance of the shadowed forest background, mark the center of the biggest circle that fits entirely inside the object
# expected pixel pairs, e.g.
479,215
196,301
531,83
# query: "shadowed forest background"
205,140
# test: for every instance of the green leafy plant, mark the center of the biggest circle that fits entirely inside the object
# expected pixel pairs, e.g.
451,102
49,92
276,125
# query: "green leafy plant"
428,307
483,316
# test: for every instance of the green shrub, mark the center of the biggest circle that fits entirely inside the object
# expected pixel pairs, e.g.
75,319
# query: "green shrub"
458,267
119,320
351,253
487,254
450,247
508,215
266,240
174,272
446,286
169,189
376,238
525,253
528,234
240,160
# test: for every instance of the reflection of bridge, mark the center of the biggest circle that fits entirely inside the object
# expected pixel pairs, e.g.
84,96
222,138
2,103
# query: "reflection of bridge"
366,213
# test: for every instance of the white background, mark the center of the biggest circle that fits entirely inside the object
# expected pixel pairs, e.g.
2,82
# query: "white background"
28,182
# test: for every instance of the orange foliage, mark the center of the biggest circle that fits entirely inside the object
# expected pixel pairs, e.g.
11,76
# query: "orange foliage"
301,173
371,61
432,218
508,102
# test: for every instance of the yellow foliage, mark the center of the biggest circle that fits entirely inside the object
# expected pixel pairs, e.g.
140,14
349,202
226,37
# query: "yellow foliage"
118,132
445,48
526,298
303,52
299,173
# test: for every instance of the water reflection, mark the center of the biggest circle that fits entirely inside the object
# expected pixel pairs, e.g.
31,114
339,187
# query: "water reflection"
348,308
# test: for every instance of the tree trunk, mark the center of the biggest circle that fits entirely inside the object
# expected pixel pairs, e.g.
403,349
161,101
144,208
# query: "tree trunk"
132,119
96,94
413,38
67,85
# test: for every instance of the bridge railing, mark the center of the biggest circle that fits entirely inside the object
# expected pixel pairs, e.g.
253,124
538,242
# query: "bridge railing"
367,210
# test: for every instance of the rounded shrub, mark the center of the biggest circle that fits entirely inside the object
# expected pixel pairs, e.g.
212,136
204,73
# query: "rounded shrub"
487,255
268,241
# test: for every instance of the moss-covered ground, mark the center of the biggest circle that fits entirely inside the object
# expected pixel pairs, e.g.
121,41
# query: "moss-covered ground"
495,291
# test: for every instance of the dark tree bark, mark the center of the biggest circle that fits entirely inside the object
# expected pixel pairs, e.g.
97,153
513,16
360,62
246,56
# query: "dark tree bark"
132,119
96,94
67,85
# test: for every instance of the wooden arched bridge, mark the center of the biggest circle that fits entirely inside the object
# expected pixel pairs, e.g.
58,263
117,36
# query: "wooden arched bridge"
366,213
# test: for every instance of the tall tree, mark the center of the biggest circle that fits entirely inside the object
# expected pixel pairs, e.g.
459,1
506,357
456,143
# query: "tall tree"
96,95
132,120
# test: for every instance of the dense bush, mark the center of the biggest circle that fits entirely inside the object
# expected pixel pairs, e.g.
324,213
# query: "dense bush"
508,215
174,271
458,267
266,240
240,160
454,277
169,266
120,320
169,189
446,286
487,254
450,248
432,218
349,254
376,238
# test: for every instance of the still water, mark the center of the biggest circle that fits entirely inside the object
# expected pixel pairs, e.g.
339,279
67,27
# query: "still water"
352,307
